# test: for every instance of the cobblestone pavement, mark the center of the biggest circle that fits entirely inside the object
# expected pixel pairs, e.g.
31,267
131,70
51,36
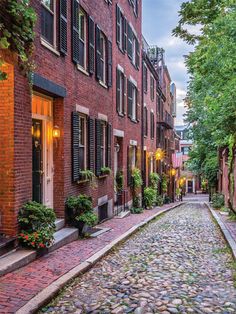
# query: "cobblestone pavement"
177,264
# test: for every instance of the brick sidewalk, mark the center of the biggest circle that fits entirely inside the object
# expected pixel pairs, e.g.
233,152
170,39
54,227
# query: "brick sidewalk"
229,224
18,287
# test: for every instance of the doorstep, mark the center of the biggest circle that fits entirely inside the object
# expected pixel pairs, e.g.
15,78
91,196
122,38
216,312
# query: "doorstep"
122,214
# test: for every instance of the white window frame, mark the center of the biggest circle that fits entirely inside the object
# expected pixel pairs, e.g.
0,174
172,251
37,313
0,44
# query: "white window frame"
85,146
134,49
83,13
103,58
54,13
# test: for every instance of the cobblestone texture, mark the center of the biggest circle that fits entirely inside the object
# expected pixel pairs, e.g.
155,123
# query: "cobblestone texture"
178,264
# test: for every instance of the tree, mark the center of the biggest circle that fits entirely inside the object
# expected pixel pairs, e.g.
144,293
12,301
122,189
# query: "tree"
211,90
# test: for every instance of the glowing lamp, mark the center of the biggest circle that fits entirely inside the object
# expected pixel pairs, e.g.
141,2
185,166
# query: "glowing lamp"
173,172
56,133
160,154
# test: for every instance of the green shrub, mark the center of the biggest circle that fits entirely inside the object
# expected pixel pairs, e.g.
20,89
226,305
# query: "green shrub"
159,200
37,225
136,178
167,199
164,183
119,180
149,196
154,178
136,210
136,201
80,209
218,200
106,171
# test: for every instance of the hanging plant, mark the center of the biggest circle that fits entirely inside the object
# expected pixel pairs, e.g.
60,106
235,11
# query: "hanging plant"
16,33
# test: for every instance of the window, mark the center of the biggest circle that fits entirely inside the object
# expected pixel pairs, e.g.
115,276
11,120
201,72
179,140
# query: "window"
145,78
48,21
82,142
103,144
132,100
152,87
133,157
185,150
121,30
82,38
120,92
152,125
103,57
133,47
134,4
145,122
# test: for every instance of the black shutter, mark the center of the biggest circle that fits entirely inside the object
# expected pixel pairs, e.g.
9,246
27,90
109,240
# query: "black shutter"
129,98
75,31
63,26
144,78
125,34
129,42
91,48
129,174
118,73
109,135
98,53
91,144
136,8
118,39
145,121
75,147
137,103
109,63
151,124
98,147
137,51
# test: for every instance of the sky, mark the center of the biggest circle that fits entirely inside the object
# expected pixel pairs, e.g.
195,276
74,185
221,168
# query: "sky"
159,19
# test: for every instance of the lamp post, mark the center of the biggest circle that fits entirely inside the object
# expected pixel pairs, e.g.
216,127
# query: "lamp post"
173,174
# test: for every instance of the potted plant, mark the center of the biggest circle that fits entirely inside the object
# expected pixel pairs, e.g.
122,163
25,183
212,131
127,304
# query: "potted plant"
154,178
218,200
136,184
119,184
37,226
149,197
106,171
80,212
88,175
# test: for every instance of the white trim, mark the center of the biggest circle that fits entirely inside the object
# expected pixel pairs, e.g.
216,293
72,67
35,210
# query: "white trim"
102,117
103,84
152,110
102,200
132,80
81,69
133,143
144,105
133,29
48,46
118,133
119,67
82,109
144,147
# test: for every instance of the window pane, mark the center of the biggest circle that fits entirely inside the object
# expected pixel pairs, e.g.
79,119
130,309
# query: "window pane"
47,25
81,25
49,4
81,53
81,157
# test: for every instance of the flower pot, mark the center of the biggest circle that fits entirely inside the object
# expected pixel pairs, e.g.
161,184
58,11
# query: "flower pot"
81,226
42,251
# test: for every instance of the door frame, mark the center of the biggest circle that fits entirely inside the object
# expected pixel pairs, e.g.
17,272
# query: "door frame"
47,156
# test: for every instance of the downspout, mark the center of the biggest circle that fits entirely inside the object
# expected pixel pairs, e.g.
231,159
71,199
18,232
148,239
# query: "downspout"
142,131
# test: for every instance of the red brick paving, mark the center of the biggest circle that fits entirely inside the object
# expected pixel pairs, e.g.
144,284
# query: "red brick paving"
18,287
230,225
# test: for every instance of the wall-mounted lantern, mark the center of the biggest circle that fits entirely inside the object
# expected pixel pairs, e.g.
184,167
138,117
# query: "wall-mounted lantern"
56,132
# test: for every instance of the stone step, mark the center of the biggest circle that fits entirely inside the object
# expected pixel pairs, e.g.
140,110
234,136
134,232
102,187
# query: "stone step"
15,260
123,214
60,223
6,244
21,257
63,237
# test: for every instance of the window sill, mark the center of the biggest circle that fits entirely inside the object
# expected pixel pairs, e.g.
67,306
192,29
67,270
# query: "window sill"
121,114
133,120
49,47
103,84
102,176
82,181
81,69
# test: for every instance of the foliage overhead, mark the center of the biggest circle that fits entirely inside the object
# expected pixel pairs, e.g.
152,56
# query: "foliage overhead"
211,90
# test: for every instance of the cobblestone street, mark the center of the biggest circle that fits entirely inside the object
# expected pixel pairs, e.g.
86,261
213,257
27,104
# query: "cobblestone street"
179,263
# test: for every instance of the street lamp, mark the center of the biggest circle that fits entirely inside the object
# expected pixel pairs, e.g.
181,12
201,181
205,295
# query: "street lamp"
159,154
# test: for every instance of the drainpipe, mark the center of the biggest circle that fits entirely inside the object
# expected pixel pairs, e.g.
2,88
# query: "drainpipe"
142,132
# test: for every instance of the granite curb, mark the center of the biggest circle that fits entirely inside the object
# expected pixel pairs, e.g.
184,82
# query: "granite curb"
227,235
44,296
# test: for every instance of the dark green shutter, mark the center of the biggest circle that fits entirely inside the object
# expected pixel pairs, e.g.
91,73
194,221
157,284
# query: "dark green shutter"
136,103
118,39
137,56
75,147
98,53
129,98
109,137
144,78
98,147
109,63
91,144
129,41
91,48
136,8
125,94
63,26
118,73
75,31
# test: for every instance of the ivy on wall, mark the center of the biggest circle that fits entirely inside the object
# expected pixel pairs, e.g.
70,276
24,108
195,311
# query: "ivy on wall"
17,33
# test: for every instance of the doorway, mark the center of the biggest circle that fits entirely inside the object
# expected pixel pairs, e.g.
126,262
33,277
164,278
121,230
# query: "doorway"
42,150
